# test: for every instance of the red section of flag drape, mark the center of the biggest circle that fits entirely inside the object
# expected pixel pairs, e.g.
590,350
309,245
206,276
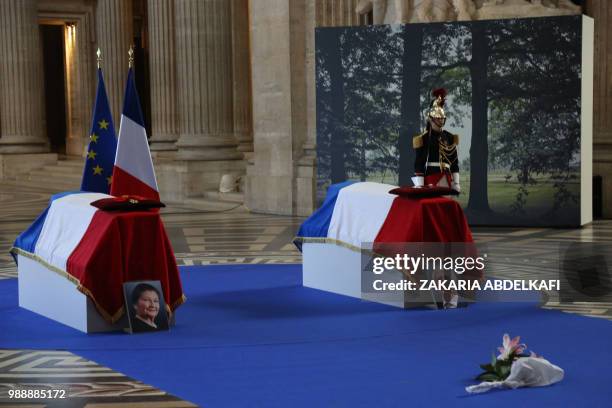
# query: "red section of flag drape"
437,219
122,247
125,183
426,220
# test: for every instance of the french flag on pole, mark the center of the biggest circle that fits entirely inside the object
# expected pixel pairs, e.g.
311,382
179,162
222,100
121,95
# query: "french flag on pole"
133,173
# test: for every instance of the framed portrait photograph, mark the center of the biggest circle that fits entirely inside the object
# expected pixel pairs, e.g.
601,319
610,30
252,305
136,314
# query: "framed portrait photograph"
145,306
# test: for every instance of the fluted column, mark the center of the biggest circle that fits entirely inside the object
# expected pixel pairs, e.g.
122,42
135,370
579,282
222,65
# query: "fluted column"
601,11
602,127
335,13
21,79
114,35
204,73
164,115
243,117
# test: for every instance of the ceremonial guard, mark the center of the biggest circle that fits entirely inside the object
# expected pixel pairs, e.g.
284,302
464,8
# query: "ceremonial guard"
436,162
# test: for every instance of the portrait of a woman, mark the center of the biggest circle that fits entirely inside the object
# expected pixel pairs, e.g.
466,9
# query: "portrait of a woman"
146,303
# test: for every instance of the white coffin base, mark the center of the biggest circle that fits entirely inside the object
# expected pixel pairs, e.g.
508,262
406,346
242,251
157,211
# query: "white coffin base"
337,269
45,292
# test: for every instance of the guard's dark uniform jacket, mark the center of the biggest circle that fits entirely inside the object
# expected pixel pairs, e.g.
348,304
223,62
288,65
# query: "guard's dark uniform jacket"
435,152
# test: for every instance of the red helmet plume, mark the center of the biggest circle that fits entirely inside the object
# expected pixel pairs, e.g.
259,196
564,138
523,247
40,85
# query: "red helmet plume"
440,93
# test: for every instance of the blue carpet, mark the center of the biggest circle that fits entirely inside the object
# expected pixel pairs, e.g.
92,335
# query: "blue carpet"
251,336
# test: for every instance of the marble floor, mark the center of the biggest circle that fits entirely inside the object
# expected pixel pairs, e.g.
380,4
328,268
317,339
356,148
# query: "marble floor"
204,233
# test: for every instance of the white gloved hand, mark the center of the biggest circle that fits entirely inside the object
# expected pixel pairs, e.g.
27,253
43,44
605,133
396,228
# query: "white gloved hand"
455,184
419,181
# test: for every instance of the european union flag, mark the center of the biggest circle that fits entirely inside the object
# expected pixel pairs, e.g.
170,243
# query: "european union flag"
100,160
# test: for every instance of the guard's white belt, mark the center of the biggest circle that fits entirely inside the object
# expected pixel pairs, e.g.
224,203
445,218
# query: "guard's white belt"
438,164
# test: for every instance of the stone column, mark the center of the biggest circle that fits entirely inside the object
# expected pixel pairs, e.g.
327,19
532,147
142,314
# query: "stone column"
114,36
601,11
306,15
241,64
21,79
278,60
335,13
602,87
282,178
204,71
85,84
207,148
306,170
164,115
80,85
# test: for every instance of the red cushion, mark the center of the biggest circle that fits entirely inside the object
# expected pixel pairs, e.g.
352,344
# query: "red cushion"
416,192
127,203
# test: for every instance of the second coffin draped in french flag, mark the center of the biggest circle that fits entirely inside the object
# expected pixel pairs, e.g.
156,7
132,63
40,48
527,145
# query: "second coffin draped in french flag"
355,213
133,173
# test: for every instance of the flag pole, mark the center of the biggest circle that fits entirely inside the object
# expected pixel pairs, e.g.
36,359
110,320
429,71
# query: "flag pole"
131,57
98,57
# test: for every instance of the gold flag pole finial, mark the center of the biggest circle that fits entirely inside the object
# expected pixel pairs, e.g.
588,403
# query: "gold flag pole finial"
131,57
99,57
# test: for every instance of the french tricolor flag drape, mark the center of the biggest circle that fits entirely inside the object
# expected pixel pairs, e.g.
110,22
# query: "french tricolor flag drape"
133,173
355,213
100,250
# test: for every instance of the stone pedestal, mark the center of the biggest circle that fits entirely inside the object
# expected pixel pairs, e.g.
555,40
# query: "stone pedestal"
164,115
180,180
13,165
21,79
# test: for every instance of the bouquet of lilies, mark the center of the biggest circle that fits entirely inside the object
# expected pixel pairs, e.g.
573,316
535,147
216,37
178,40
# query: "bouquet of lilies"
512,368
499,367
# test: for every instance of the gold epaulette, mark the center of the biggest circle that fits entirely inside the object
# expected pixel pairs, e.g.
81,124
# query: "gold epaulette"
456,140
417,141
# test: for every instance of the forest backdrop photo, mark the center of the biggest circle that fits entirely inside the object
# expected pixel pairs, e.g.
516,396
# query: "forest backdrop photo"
514,100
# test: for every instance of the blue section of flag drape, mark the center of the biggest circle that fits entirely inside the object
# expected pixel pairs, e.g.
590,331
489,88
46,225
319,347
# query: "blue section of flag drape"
317,225
100,159
27,240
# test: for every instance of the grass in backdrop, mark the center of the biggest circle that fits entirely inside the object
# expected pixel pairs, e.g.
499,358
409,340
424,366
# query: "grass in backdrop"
506,198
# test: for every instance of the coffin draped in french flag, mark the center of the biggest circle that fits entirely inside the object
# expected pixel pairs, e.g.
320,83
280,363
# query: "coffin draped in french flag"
355,213
99,250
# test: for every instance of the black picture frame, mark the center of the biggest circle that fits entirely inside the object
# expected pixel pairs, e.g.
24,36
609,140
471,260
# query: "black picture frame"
141,298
